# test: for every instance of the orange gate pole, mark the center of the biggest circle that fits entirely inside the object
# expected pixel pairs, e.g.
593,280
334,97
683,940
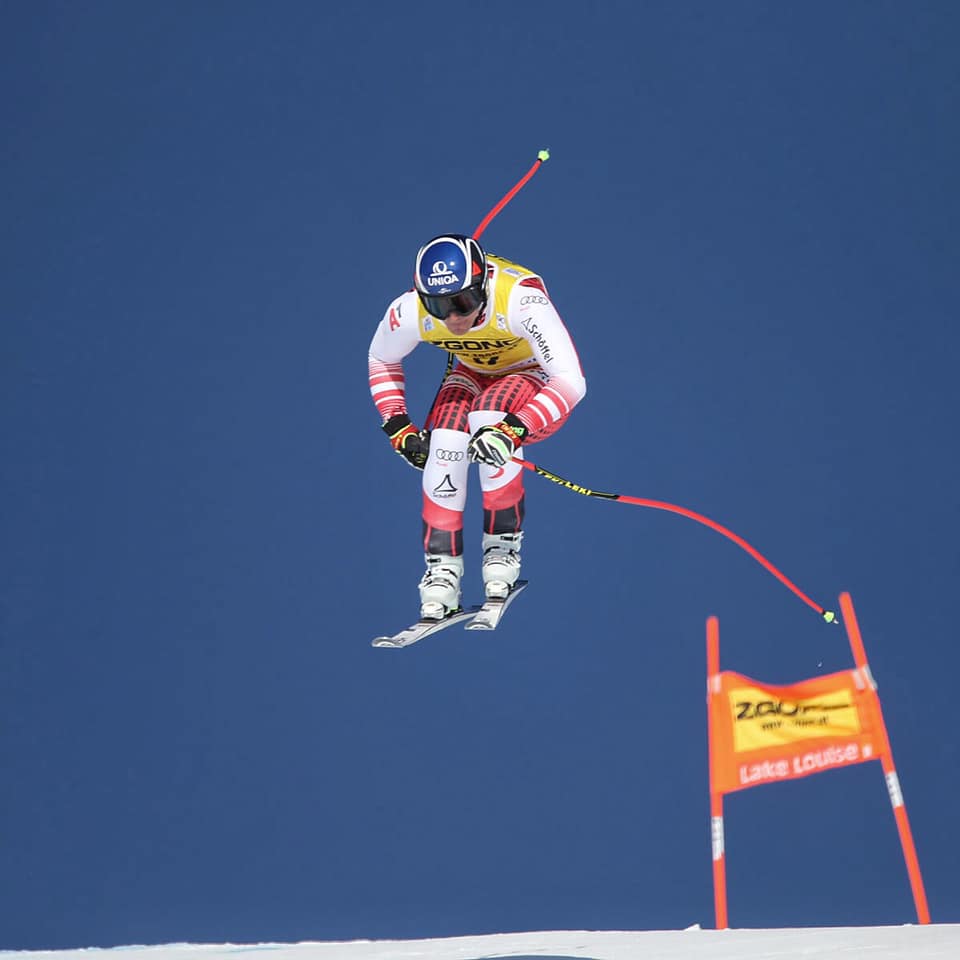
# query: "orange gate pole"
886,759
716,797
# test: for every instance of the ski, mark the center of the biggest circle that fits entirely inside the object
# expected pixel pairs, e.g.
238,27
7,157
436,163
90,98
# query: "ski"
485,617
423,628
488,616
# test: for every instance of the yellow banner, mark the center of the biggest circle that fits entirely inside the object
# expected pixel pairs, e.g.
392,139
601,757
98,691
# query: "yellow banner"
762,719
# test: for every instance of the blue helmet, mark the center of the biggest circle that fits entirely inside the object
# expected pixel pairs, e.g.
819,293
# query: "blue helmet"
451,275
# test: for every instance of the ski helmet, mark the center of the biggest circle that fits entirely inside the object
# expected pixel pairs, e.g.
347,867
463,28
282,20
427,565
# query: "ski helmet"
451,275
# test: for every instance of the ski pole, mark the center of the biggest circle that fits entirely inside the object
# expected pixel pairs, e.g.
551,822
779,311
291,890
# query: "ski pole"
828,615
542,157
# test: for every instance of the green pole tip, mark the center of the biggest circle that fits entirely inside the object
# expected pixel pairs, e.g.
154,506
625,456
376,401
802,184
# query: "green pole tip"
543,155
829,616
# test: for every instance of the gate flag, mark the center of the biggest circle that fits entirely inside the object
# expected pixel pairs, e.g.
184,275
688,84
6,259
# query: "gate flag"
765,733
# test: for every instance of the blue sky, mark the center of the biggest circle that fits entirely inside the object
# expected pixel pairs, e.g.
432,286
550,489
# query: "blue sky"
748,224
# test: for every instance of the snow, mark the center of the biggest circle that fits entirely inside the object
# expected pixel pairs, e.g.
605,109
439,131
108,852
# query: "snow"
941,941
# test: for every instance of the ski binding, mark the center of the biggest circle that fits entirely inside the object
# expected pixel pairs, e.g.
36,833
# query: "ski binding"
488,616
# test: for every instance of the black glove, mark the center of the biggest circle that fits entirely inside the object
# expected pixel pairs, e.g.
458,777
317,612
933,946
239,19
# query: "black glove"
495,445
412,444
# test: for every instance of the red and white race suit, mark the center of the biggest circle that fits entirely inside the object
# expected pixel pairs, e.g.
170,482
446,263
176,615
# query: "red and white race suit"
517,358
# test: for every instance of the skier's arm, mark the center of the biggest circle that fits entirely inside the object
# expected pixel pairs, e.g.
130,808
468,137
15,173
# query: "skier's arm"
538,322
395,337
534,318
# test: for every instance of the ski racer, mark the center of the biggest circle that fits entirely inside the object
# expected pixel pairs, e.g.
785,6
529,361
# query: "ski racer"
516,379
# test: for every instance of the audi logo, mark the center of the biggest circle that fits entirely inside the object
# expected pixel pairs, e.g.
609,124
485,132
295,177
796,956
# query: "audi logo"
526,300
451,456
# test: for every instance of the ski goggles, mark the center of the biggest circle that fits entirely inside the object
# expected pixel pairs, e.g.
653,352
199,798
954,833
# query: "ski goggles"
462,302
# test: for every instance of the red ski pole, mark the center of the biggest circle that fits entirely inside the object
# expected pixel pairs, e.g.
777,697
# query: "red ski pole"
828,615
542,157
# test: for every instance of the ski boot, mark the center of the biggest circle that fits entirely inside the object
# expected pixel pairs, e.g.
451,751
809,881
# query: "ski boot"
440,586
501,563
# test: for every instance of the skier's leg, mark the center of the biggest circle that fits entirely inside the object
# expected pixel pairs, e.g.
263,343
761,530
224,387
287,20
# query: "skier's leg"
503,499
445,492
444,497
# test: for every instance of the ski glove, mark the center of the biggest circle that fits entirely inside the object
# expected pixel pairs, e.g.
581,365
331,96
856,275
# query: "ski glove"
412,444
495,445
